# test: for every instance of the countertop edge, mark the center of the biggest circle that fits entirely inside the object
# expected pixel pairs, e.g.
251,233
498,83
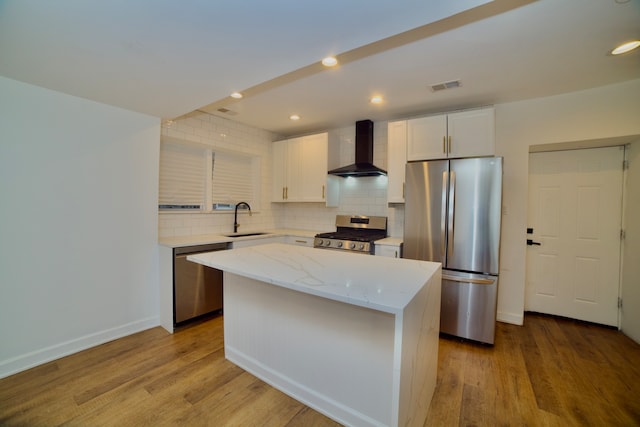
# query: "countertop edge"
205,239
230,265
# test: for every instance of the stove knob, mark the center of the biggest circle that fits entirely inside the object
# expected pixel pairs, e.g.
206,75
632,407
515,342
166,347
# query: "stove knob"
361,246
318,242
352,245
327,243
339,244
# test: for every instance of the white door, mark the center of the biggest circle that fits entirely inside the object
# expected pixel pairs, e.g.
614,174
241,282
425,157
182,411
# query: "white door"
575,211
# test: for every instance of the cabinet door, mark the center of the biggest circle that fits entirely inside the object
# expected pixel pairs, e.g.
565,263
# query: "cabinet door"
255,242
299,241
278,188
472,133
295,167
426,138
388,251
396,160
313,170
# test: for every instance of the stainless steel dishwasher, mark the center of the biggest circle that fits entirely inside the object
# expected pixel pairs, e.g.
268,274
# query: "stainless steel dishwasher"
197,289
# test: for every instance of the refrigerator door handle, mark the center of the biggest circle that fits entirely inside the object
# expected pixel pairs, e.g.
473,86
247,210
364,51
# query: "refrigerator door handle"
452,208
466,280
443,216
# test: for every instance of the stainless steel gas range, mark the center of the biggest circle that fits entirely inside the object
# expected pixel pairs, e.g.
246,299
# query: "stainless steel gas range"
354,233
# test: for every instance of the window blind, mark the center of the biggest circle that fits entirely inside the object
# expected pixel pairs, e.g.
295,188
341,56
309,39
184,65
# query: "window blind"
182,176
232,179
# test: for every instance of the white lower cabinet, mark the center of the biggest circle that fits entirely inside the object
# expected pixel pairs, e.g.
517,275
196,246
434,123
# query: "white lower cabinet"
253,242
299,241
390,251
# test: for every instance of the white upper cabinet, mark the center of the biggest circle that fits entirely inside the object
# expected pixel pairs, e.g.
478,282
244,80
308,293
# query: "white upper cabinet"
280,166
426,138
462,134
300,168
396,160
313,168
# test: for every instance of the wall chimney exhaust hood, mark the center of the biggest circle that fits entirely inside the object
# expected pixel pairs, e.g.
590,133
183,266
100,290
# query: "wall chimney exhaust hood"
364,154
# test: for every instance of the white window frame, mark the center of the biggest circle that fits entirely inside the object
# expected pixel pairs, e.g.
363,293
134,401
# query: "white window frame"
206,204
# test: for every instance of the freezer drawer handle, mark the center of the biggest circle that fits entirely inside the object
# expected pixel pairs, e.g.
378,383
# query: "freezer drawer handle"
530,242
463,280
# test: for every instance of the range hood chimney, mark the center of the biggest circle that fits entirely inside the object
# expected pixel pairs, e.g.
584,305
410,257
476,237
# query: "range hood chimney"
364,154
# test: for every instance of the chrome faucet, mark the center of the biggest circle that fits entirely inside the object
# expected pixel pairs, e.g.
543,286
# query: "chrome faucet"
235,216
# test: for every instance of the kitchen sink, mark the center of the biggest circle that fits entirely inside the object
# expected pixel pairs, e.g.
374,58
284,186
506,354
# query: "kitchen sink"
245,234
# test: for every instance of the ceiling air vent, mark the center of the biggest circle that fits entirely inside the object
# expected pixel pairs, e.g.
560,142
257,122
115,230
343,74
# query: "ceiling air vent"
445,85
227,111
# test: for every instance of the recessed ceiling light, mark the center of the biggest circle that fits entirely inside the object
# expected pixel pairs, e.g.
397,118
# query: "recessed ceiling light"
330,61
237,95
376,99
626,47
294,117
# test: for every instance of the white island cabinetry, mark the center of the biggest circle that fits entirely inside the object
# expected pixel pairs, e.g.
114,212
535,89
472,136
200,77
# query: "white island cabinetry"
354,337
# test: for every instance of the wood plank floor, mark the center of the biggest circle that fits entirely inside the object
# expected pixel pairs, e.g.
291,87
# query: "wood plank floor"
551,372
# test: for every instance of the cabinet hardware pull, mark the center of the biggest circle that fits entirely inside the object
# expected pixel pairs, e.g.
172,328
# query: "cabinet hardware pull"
282,193
449,143
444,144
323,192
286,193
403,190
301,241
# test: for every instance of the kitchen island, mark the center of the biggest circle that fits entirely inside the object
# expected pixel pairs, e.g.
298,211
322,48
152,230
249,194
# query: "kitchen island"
352,336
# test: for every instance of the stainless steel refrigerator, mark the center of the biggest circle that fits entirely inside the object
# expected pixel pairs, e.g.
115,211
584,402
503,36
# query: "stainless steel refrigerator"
452,216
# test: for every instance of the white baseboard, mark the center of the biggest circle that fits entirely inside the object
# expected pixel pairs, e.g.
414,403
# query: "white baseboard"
515,319
39,357
324,404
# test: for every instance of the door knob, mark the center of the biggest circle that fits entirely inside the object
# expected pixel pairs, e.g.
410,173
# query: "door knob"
532,243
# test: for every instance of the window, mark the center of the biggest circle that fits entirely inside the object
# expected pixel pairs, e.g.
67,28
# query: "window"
204,179
182,172
232,179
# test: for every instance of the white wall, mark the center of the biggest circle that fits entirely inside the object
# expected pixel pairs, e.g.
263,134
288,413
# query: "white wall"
604,112
631,248
78,224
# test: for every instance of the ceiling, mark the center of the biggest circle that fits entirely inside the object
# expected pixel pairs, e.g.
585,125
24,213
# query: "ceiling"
169,58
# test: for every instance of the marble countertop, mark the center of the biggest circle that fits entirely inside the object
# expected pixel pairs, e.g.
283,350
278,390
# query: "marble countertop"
389,241
379,283
205,239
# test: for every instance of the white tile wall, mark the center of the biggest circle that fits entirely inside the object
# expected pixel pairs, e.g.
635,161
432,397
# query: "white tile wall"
359,196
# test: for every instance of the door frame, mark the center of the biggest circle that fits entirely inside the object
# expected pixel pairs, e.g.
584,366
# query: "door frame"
584,145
